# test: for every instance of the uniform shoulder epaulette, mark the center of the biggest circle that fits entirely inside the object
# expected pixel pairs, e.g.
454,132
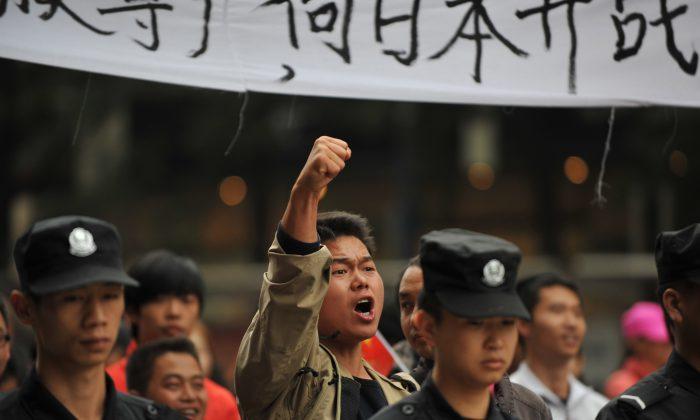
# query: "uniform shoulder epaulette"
406,380
645,393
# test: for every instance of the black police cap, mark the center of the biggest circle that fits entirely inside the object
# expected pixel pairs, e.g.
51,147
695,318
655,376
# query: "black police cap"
69,252
678,255
472,275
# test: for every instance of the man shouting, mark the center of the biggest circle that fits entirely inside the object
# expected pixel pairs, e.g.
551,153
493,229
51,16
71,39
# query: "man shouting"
321,296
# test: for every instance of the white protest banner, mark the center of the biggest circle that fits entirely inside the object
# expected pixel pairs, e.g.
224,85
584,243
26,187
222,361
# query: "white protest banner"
516,52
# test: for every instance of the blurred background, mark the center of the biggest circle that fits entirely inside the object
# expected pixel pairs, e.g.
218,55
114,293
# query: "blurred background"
149,158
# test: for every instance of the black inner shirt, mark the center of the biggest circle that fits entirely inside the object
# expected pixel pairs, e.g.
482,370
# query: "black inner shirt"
361,398
372,398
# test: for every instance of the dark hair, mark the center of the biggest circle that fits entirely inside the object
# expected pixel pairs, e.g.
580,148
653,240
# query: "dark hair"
529,288
139,368
413,262
430,303
334,224
163,272
683,287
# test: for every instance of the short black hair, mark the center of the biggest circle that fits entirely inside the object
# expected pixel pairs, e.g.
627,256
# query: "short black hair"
430,303
334,224
139,368
529,288
162,272
413,262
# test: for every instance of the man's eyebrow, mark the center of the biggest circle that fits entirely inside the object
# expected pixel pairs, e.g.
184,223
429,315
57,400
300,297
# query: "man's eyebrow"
173,376
346,260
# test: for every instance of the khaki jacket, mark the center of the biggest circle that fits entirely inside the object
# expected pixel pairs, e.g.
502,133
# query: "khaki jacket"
282,370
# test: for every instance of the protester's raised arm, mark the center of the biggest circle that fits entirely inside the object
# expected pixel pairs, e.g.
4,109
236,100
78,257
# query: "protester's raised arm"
326,160
282,338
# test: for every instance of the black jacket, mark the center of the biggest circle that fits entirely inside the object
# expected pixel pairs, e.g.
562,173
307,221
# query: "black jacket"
511,402
672,392
512,398
33,401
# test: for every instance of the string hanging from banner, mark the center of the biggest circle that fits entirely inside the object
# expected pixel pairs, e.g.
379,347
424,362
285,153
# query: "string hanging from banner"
290,115
79,122
241,121
599,200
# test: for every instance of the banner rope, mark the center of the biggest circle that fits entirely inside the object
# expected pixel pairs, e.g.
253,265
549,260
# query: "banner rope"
78,123
241,121
599,200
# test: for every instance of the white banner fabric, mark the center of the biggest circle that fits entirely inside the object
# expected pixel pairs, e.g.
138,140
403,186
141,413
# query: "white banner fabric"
507,52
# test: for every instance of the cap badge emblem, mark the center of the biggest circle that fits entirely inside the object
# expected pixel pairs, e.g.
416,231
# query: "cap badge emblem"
81,243
494,273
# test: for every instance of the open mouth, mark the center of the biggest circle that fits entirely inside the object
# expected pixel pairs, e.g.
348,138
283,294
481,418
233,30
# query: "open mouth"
571,340
364,306
364,309
190,412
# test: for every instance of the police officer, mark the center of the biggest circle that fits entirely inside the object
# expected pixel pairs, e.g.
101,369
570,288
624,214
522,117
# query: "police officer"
672,392
72,296
467,314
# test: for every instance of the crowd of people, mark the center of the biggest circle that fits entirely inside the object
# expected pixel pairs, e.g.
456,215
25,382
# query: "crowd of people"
479,342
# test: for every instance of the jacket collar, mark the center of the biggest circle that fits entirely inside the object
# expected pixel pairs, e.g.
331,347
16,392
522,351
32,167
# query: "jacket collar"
444,409
683,373
504,395
39,401
383,381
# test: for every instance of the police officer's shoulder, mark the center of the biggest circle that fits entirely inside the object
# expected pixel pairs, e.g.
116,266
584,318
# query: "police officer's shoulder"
649,391
142,408
410,407
528,401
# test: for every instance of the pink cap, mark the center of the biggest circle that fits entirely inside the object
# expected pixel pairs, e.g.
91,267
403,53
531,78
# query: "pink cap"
645,320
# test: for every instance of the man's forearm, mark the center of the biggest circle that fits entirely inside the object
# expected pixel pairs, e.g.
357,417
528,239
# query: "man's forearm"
299,219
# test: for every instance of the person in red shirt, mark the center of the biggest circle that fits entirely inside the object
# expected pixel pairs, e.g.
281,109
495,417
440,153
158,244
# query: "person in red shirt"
648,344
168,303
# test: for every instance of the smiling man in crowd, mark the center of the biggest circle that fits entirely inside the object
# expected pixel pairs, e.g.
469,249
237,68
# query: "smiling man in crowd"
168,304
168,371
301,357
552,340
72,296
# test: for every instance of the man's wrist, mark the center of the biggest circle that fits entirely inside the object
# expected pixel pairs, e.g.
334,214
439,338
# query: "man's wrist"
291,245
304,196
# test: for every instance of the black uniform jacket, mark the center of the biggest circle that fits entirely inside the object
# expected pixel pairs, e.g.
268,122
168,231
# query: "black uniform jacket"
33,401
672,392
512,399
429,404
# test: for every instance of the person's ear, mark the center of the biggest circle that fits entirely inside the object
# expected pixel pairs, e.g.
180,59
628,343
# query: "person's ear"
24,308
673,304
524,328
425,325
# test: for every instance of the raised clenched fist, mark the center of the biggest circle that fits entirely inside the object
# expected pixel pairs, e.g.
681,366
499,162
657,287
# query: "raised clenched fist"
326,160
